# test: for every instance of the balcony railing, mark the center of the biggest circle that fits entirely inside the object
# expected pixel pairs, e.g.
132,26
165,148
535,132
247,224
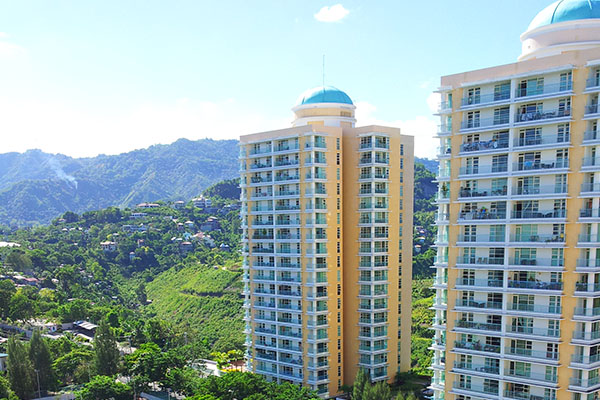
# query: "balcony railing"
480,260
484,122
587,263
538,165
525,116
589,213
586,312
529,353
477,346
479,282
589,238
535,308
480,238
465,192
488,369
512,394
489,390
590,187
591,109
484,145
478,326
541,140
528,238
536,190
485,98
586,383
581,335
552,262
478,304
481,215
529,330
534,376
538,90
539,214
535,285
592,82
483,169
591,162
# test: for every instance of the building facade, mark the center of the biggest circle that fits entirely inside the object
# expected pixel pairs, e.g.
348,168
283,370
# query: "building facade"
518,262
327,222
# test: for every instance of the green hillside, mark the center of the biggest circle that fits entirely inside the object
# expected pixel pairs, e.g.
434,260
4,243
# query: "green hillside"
204,300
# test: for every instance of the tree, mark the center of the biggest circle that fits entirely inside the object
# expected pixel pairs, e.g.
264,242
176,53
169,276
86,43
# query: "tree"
140,292
21,307
379,391
5,390
234,356
360,382
103,387
7,290
106,358
41,360
19,369
74,366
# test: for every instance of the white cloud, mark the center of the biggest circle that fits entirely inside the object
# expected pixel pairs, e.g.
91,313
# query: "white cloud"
433,102
8,49
332,14
423,128
61,128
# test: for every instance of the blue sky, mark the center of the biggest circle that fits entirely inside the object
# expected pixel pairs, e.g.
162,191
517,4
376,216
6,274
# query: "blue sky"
84,77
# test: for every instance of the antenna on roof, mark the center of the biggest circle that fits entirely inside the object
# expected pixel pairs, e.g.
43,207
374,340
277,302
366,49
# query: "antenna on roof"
323,70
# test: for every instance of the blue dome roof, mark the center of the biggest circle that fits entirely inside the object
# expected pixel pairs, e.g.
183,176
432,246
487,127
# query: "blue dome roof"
323,94
566,10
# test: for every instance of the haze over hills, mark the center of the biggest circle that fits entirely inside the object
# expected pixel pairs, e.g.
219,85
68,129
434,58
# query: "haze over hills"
36,187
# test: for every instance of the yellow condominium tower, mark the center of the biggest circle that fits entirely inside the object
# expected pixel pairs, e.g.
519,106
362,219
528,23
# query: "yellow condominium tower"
327,220
518,262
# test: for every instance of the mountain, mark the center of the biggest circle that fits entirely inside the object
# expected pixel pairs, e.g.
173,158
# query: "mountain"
431,165
36,187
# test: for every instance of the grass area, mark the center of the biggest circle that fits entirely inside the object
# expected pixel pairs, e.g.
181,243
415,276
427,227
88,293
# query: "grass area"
203,299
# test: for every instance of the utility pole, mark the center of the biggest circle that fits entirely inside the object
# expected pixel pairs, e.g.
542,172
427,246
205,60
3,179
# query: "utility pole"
37,372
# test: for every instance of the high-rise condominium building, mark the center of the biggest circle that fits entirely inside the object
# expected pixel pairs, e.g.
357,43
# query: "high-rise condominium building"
327,221
518,262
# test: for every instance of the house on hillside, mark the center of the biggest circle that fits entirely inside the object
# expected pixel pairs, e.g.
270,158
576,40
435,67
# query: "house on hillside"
84,327
186,247
189,224
178,205
205,239
137,215
134,228
108,247
202,202
148,205
211,224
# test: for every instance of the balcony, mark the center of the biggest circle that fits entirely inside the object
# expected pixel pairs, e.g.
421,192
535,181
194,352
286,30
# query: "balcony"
474,239
590,188
541,140
482,214
585,383
591,109
489,145
538,261
477,368
260,150
282,163
591,163
535,308
547,89
470,193
538,214
482,123
529,353
528,238
539,190
540,166
486,390
591,136
484,169
591,239
586,312
494,305
586,336
531,331
526,117
588,263
481,99
477,346
511,394
581,359
535,285
480,326
531,376
260,166
480,260
490,283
